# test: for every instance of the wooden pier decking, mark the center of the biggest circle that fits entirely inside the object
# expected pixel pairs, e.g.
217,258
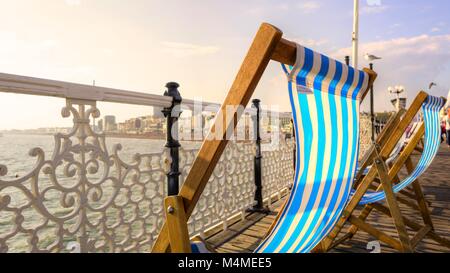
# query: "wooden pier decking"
245,236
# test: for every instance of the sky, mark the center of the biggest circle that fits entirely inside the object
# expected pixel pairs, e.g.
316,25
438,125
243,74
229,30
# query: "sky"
140,45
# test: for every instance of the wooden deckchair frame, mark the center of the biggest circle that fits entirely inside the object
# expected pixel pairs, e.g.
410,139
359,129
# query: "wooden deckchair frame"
388,176
380,140
267,45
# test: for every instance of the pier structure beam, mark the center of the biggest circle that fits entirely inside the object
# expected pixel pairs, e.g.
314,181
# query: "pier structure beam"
172,114
258,205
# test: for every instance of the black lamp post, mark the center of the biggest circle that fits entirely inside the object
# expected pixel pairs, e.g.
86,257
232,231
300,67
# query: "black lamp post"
172,114
372,114
258,206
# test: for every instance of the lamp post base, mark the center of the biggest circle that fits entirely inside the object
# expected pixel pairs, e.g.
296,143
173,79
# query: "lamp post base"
264,210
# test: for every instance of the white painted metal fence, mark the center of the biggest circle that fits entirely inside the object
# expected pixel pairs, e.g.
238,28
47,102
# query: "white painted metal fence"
84,197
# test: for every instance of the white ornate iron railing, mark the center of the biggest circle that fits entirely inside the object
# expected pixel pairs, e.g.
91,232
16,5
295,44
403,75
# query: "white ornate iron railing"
86,198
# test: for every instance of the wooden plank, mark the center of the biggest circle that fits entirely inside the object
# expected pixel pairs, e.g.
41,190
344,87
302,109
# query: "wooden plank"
412,224
420,235
407,202
363,215
376,233
275,221
404,123
407,193
286,53
235,229
393,205
367,159
240,93
177,224
421,202
345,237
360,190
390,125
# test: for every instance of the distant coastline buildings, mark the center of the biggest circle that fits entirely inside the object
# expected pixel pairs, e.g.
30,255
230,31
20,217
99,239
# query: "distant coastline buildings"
109,123
191,127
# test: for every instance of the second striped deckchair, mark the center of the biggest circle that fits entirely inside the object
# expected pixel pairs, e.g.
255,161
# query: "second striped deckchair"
389,183
431,109
325,97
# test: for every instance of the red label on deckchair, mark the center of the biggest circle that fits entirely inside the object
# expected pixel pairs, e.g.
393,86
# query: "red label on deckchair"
304,89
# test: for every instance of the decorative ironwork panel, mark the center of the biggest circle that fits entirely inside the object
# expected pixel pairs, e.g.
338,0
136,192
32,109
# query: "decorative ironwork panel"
365,135
278,169
230,189
82,194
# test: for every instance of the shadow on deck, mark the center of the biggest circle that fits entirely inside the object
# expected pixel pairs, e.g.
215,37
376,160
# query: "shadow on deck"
245,236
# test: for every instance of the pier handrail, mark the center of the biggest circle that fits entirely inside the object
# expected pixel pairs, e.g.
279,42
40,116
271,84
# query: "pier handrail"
43,87
11,83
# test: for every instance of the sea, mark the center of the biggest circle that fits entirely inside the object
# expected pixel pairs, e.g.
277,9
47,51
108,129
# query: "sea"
14,154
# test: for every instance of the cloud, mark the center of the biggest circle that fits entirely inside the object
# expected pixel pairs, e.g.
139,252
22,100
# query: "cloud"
405,46
13,44
180,50
410,61
309,6
396,25
435,29
257,10
373,9
373,2
312,43
283,6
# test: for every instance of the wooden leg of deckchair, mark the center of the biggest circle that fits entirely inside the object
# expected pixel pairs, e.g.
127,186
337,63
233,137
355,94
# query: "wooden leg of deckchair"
359,222
408,193
423,206
393,206
177,225
323,246
407,202
362,216
327,242
415,226
369,208
376,233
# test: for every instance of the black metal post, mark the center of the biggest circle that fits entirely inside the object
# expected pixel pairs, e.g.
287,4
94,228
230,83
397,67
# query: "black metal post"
258,207
347,60
172,114
372,114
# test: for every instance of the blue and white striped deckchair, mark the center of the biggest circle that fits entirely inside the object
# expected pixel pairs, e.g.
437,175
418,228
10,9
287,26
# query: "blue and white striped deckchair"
325,97
431,113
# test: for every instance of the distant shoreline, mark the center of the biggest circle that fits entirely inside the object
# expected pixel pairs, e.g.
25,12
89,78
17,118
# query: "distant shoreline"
115,135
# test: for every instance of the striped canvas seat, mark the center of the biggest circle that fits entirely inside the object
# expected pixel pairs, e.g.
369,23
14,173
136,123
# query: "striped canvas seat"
431,119
325,97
